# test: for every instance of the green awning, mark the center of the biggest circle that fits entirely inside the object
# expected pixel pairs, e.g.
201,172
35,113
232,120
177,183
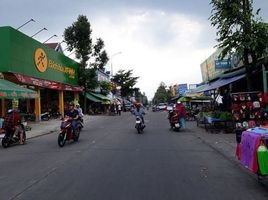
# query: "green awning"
11,90
92,98
100,96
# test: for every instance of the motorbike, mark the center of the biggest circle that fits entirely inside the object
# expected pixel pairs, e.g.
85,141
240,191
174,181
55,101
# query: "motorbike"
9,138
54,114
67,133
139,125
45,116
174,120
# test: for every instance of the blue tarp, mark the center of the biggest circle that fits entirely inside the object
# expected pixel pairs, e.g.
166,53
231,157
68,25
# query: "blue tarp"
219,83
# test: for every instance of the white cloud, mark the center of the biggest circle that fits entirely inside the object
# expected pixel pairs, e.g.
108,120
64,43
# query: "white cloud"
158,46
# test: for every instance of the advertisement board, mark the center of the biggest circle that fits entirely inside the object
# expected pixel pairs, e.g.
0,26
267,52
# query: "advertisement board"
24,55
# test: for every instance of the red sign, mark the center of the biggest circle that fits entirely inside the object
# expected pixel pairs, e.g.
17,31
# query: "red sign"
46,84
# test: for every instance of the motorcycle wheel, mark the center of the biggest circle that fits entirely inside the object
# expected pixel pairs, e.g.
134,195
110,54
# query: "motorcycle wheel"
61,140
139,129
5,142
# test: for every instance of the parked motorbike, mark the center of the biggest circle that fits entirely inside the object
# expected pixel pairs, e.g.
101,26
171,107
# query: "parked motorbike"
9,138
174,120
139,125
54,114
45,116
67,133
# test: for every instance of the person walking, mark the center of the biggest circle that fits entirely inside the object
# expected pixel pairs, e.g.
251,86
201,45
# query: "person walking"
119,109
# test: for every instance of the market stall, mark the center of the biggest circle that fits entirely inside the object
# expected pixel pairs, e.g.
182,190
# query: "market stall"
252,150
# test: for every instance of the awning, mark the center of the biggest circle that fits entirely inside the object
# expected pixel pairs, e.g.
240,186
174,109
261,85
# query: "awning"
11,90
92,98
100,96
219,83
46,83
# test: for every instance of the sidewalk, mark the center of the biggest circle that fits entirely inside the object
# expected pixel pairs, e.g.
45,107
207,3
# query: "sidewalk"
224,143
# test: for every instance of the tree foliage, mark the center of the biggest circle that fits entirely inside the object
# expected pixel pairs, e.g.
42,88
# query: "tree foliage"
99,54
126,81
105,87
78,38
240,31
161,95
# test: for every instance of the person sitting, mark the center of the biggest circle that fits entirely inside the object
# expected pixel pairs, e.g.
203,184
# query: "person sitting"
138,111
12,124
80,113
181,112
73,113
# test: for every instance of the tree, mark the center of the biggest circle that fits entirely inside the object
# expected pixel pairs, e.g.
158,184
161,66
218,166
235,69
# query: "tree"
161,95
240,31
100,55
105,87
125,80
78,38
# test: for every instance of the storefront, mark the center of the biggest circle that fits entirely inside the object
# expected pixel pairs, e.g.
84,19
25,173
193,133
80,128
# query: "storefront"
51,74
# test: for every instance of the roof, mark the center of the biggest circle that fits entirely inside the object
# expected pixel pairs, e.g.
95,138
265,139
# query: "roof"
219,83
92,98
52,45
10,90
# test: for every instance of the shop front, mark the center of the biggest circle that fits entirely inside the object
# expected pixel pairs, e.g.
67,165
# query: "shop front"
51,74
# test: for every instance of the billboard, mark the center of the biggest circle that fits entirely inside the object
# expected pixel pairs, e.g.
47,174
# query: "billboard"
182,88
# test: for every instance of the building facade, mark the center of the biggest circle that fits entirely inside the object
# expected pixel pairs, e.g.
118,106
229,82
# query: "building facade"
25,61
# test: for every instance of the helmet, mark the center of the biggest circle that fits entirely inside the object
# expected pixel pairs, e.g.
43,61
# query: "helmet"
178,102
138,105
77,105
9,111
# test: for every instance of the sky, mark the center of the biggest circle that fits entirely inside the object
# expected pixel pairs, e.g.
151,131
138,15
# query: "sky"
160,40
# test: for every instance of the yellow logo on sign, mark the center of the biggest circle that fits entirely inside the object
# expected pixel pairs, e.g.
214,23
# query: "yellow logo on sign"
40,60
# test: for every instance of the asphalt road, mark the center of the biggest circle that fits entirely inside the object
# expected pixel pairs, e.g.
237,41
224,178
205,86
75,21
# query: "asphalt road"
111,161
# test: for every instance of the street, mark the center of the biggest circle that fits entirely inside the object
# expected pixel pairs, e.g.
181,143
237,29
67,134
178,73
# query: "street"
111,161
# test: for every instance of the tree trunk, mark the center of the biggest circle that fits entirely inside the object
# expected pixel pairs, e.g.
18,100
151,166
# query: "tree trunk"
85,103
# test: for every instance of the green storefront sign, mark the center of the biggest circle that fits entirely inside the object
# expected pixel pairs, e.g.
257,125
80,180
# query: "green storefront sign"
22,54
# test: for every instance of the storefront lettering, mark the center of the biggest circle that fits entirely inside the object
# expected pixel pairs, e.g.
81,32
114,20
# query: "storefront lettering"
61,68
42,63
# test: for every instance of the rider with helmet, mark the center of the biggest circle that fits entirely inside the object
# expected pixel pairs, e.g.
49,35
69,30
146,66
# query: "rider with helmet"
12,124
138,111
181,112
80,113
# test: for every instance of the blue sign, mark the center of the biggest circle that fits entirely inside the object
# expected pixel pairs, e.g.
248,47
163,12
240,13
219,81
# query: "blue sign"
222,64
181,89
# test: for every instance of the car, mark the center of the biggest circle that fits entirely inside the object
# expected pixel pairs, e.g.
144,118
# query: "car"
169,107
127,107
162,106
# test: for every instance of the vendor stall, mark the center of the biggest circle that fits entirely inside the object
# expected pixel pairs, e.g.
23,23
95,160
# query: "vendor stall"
252,150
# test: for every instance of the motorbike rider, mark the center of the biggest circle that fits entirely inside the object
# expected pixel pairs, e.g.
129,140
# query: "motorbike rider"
12,124
138,111
80,112
73,113
181,112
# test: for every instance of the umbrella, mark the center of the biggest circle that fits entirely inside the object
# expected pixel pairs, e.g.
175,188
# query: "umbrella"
11,90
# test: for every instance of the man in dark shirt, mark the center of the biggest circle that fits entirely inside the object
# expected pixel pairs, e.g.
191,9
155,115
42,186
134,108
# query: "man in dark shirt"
73,113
